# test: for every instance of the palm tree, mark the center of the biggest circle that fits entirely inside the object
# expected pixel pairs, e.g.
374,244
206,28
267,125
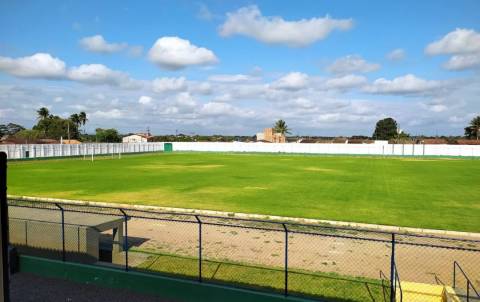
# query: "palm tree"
474,129
281,127
83,119
75,118
43,113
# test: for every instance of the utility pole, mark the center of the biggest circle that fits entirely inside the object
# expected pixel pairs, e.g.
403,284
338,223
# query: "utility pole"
4,279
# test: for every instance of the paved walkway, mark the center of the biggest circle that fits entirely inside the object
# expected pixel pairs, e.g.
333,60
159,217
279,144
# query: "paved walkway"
26,287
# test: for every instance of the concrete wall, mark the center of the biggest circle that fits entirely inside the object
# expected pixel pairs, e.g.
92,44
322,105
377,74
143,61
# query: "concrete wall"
360,149
45,239
58,150
164,287
40,151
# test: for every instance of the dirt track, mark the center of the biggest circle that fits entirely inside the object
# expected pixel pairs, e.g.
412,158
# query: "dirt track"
350,257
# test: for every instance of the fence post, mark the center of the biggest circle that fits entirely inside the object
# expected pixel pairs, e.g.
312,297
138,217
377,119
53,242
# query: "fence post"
286,259
392,271
5,282
63,230
454,274
125,238
468,290
199,248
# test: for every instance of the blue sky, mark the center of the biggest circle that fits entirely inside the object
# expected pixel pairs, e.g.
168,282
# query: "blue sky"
326,67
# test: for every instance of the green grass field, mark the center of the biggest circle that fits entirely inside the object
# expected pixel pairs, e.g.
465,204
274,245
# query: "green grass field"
428,193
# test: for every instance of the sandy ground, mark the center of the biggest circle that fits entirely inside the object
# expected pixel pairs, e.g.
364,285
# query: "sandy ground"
315,253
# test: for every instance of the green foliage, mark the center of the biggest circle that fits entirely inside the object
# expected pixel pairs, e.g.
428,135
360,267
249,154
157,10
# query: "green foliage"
201,138
281,127
431,193
107,135
29,135
10,129
43,113
385,129
83,119
75,118
473,130
55,127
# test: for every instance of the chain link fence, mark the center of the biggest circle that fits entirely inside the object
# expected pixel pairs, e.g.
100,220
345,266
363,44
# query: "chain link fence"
312,261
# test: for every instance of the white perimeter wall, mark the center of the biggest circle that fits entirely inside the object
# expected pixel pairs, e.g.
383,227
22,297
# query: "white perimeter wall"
402,150
57,150
35,151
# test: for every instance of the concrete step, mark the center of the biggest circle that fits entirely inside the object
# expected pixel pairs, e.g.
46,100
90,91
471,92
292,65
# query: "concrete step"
421,292
459,295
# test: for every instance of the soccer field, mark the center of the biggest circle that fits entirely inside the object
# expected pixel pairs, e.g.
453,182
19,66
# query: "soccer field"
428,193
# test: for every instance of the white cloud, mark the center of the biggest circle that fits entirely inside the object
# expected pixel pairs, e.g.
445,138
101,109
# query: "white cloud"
438,108
98,44
39,65
396,54
230,78
292,81
185,100
345,82
180,105
161,85
224,109
204,88
108,114
461,62
459,41
174,53
351,64
250,22
408,84
303,103
45,66
135,51
145,100
462,44
98,74
314,110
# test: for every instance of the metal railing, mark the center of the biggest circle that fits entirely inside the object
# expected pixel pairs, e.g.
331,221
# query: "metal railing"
293,259
469,282
397,284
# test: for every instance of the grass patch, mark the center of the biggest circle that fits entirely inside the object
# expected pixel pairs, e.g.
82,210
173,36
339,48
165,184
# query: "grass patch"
329,286
426,193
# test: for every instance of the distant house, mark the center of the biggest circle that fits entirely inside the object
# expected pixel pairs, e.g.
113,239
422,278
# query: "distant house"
269,135
6,140
434,141
137,138
70,142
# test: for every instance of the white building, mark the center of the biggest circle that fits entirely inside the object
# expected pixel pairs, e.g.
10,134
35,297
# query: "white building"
136,138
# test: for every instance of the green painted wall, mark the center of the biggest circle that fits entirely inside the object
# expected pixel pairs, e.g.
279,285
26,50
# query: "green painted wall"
168,288
168,147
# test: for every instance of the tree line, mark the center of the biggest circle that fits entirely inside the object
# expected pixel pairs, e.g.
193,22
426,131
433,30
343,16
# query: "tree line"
50,126
388,129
